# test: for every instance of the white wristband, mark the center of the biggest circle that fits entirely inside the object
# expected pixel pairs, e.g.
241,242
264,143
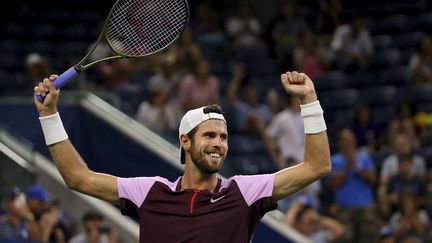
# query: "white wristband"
313,118
53,129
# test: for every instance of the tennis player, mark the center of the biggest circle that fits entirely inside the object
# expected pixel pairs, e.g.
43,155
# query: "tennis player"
198,206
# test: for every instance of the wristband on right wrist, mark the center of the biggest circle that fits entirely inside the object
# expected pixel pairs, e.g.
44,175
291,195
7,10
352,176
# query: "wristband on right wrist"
53,129
313,118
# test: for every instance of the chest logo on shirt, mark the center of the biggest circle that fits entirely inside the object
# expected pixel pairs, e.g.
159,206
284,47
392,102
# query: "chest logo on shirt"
213,200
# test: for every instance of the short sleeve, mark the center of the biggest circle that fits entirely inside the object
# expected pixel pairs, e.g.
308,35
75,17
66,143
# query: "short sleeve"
255,187
133,191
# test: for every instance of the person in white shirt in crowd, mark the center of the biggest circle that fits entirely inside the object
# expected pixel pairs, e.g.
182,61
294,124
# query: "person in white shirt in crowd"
94,231
352,45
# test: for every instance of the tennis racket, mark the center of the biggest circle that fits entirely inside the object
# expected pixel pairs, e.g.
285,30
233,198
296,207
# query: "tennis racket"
135,28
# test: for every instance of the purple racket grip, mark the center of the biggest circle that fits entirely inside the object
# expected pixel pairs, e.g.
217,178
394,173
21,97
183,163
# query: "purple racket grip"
63,79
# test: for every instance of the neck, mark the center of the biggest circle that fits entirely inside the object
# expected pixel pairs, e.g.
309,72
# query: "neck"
198,181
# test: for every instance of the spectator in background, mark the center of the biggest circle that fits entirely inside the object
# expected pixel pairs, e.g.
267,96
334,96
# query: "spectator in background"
309,56
13,224
187,52
352,46
403,123
284,30
287,127
43,221
402,146
158,113
198,88
93,231
329,18
352,179
248,114
410,223
405,181
206,27
420,63
244,29
166,76
317,228
117,74
367,132
36,67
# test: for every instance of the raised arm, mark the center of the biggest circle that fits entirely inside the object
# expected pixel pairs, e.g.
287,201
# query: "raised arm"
317,153
71,166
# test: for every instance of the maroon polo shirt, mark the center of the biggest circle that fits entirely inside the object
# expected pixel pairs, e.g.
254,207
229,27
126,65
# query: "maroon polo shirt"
168,214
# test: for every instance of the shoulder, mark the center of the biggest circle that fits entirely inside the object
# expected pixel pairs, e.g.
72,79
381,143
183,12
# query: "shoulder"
148,181
246,179
136,189
252,187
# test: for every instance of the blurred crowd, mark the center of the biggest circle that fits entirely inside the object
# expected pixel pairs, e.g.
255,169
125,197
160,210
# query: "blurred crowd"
35,215
233,52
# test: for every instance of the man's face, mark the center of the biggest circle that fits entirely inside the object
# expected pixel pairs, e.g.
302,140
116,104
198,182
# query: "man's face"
209,146
36,206
92,224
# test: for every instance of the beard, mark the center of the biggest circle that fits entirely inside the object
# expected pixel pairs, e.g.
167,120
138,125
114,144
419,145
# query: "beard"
199,160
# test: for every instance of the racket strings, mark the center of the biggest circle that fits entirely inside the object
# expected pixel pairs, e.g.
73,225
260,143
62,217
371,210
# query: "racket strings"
133,21
142,27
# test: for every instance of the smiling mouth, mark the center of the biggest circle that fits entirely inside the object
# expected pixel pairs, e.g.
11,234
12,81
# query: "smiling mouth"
215,155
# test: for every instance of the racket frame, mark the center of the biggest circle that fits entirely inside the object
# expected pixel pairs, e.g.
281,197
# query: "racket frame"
103,36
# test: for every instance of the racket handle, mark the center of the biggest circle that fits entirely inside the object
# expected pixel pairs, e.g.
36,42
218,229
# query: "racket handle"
63,79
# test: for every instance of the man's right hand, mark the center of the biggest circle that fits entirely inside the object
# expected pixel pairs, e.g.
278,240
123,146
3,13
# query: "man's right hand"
50,94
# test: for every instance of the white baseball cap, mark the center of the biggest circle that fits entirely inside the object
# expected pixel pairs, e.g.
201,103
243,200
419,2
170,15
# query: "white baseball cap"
191,120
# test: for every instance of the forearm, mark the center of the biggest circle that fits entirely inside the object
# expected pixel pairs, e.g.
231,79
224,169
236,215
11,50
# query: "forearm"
79,178
46,233
34,231
317,153
69,163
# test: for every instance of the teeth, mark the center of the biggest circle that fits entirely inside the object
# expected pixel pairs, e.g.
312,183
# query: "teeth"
215,155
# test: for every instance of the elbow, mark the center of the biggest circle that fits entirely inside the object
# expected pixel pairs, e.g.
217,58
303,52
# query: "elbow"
77,183
324,169
73,185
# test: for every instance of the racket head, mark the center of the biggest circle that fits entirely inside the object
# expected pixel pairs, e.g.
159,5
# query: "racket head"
138,28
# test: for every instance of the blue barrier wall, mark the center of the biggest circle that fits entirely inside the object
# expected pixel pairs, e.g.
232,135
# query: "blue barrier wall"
104,148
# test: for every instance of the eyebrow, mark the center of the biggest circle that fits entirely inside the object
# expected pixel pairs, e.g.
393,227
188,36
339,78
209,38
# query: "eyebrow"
213,133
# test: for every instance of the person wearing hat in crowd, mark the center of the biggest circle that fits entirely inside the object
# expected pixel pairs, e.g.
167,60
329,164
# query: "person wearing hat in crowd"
13,223
43,220
199,206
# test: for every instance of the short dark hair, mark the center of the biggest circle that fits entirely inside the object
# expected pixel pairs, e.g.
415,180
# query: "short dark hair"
215,108
92,215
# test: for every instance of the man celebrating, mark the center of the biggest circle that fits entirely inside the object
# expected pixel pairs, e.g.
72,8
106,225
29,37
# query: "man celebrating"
198,206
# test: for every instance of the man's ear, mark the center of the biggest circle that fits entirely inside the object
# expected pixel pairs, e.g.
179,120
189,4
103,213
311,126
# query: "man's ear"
185,142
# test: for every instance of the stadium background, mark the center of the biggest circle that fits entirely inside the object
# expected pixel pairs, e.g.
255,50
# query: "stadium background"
60,33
